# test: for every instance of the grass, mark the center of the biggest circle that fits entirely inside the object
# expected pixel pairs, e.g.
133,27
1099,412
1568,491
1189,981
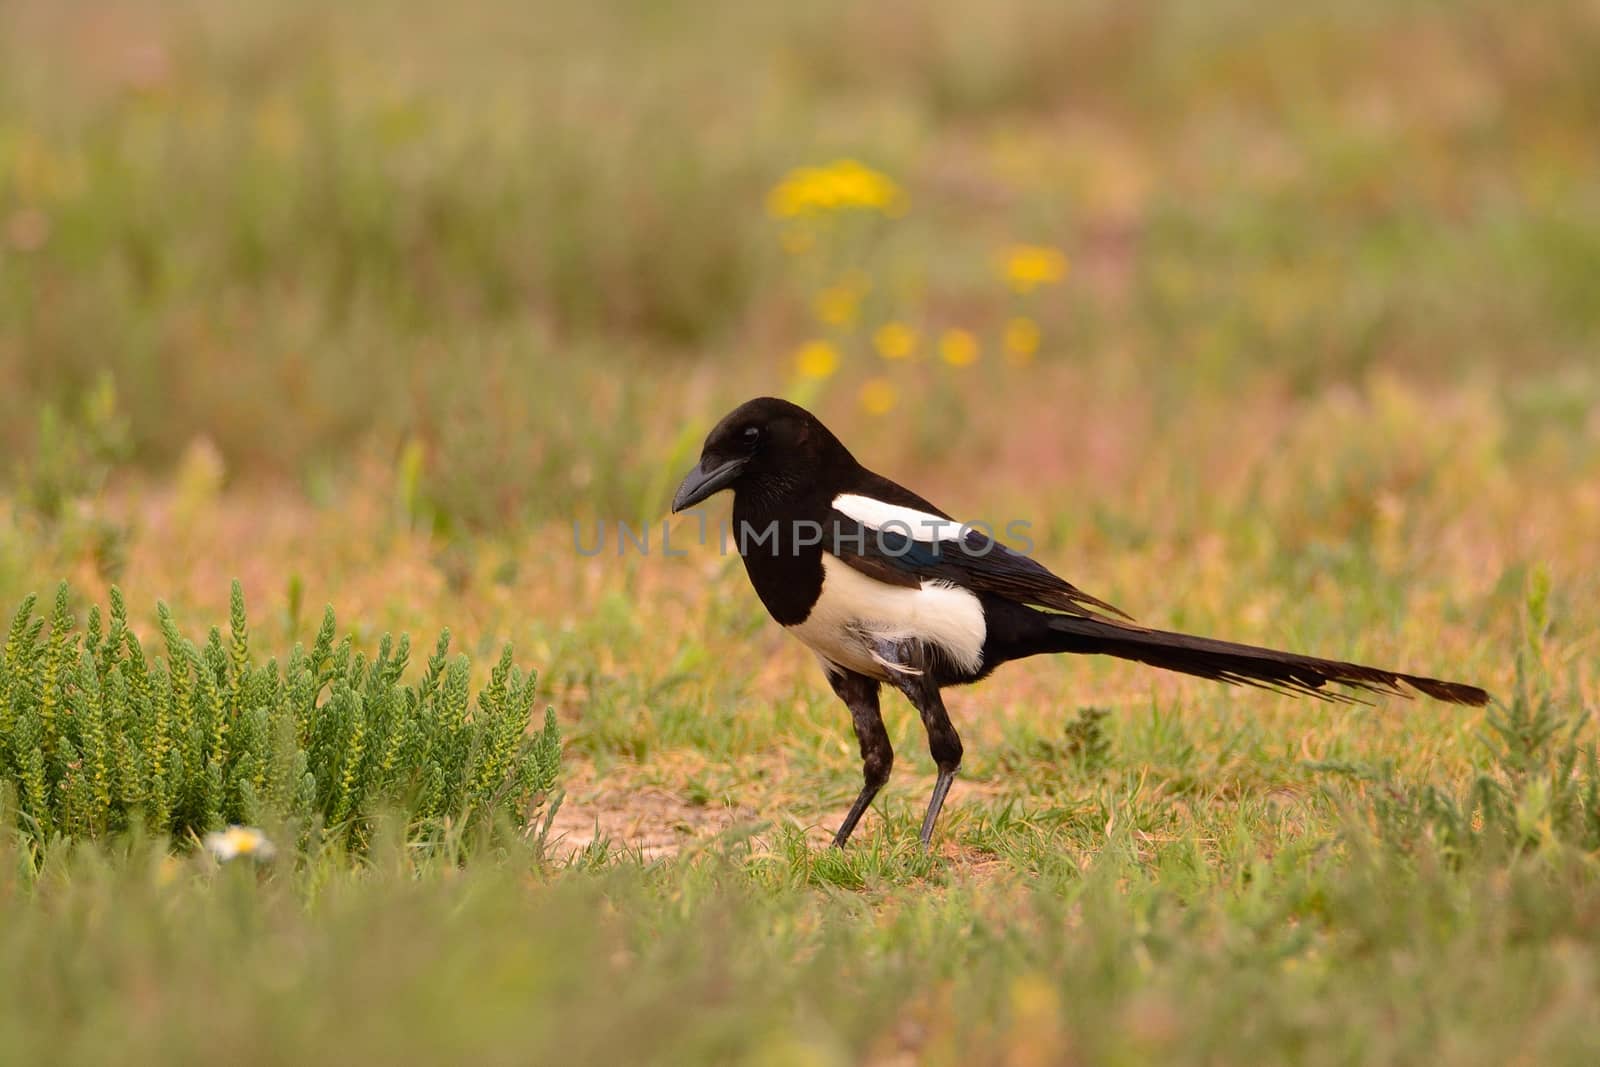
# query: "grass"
1040,937
367,309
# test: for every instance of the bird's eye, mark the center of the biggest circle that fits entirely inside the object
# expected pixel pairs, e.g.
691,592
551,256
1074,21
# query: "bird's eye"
752,434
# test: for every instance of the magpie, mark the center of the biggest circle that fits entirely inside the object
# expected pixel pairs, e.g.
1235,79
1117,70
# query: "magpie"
885,588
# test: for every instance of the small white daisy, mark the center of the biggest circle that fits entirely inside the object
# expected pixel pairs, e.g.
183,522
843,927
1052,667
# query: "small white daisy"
239,841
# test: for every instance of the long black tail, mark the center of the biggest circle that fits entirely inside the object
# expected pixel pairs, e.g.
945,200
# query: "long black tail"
1225,661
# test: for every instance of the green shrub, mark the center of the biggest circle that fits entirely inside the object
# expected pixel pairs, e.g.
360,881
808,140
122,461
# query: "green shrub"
1538,788
97,737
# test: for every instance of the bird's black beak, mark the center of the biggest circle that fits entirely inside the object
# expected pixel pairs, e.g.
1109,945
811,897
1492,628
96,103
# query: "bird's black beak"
701,483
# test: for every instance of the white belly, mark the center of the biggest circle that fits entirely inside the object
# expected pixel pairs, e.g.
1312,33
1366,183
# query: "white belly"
855,612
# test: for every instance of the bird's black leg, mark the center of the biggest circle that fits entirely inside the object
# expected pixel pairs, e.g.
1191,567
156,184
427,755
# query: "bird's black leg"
860,695
943,741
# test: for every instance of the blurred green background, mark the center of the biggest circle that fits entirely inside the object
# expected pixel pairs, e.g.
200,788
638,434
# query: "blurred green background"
534,242
1279,322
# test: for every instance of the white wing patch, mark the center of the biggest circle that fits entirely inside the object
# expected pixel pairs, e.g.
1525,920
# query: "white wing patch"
853,613
876,515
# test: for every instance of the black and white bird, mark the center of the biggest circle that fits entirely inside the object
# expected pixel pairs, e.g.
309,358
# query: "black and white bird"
885,588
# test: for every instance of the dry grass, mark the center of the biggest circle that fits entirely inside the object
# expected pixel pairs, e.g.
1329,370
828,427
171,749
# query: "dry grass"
366,307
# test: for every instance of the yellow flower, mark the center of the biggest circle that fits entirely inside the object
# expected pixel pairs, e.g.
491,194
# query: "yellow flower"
878,396
1026,267
1022,341
894,340
816,359
836,305
842,185
239,841
168,869
959,348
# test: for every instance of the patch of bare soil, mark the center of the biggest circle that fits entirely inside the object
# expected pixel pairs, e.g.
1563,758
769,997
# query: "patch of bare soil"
644,817
654,820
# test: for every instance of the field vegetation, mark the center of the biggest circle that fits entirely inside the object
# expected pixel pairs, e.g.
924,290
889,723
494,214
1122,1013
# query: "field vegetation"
1273,322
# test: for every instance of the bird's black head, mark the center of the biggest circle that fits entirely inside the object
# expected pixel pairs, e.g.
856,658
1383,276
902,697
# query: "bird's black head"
766,445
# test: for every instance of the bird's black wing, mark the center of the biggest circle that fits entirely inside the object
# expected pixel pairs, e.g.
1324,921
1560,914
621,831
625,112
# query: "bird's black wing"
902,555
